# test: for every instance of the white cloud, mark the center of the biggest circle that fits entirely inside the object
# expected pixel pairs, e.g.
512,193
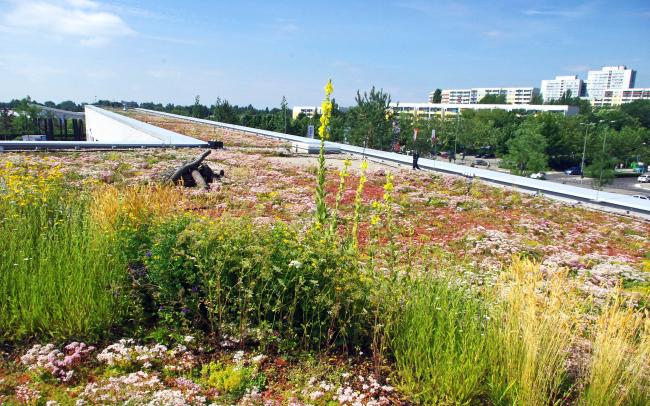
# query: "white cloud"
83,3
579,11
79,19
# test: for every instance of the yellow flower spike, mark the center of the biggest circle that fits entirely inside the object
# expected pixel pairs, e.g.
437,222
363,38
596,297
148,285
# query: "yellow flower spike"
364,165
329,88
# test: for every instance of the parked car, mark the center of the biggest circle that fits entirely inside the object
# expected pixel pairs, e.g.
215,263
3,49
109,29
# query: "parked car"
444,154
538,175
480,162
642,197
489,155
574,170
643,178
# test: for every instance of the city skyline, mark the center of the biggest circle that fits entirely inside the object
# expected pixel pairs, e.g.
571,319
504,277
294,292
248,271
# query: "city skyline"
256,52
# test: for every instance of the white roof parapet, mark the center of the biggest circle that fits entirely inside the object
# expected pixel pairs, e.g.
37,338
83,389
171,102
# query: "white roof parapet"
301,144
106,127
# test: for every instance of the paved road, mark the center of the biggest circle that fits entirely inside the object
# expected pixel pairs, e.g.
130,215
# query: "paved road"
626,185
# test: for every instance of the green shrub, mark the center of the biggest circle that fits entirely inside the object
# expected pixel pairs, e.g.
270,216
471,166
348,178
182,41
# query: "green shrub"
229,272
232,380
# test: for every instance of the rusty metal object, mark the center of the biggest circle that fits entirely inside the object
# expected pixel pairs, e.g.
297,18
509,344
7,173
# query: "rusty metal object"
195,173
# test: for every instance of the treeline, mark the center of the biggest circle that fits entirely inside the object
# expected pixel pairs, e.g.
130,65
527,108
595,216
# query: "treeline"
19,117
526,142
18,104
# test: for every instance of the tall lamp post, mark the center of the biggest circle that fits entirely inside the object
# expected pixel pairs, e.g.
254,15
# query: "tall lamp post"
602,164
584,151
457,130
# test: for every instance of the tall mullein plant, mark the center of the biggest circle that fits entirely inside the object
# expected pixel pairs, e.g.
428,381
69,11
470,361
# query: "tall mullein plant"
324,133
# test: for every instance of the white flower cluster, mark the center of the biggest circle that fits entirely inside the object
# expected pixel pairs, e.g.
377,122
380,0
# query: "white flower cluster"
26,394
359,391
173,397
133,387
126,353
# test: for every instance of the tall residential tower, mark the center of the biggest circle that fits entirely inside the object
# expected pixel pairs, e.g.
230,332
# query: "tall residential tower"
609,78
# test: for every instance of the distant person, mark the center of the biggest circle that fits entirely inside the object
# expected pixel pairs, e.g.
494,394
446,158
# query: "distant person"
416,153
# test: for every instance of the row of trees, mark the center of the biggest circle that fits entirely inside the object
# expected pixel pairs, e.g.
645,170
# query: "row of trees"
18,117
525,142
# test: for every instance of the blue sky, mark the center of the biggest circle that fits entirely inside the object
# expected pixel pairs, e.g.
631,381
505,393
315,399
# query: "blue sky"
257,51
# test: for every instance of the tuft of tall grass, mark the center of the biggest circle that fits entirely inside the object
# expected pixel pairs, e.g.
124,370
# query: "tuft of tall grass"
439,343
59,276
509,346
619,371
530,336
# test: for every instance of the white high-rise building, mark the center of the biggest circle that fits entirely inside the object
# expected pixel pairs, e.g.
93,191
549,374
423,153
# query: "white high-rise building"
553,89
608,78
514,95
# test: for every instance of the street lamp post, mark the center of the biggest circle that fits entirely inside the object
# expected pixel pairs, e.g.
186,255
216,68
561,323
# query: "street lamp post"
457,130
602,163
584,151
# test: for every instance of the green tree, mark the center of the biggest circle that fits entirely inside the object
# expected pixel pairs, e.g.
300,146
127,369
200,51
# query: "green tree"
537,99
198,110
601,170
69,105
281,124
639,109
567,99
6,119
437,96
369,120
26,121
224,112
477,133
526,151
493,99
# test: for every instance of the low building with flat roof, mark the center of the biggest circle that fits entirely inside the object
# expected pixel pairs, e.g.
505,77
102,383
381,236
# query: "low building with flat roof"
621,96
309,111
514,95
442,109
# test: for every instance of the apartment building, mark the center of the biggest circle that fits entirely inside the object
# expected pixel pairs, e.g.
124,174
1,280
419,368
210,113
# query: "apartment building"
514,95
442,109
608,78
553,89
621,96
